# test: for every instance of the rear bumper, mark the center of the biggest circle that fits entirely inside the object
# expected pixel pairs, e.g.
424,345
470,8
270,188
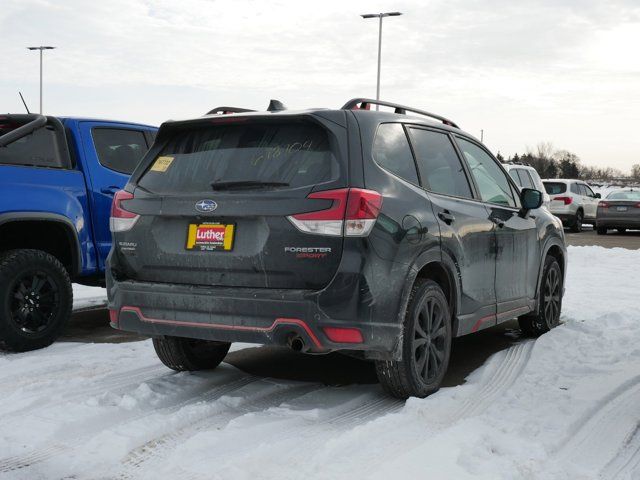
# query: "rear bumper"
264,316
610,221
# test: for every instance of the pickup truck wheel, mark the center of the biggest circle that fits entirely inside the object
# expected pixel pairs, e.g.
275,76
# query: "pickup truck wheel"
187,354
36,298
426,345
549,301
601,230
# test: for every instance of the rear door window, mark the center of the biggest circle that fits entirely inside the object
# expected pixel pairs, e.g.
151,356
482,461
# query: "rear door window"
392,152
513,173
525,179
555,188
575,189
119,149
293,154
440,168
492,182
40,148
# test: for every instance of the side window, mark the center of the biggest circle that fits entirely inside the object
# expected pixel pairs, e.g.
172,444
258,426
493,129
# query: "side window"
119,149
587,191
440,168
575,189
39,149
513,173
525,179
392,152
492,182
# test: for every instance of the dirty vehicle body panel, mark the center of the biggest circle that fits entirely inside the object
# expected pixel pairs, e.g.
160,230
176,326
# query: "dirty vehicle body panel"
278,281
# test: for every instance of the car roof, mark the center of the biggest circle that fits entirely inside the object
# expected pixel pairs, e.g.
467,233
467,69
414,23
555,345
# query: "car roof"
563,180
379,116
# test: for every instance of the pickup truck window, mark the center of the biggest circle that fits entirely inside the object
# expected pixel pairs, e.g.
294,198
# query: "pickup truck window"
119,149
39,149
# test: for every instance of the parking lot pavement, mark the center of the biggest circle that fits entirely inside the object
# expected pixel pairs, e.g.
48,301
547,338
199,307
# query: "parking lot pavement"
629,239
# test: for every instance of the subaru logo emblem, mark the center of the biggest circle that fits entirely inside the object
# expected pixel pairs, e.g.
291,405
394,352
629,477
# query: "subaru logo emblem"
206,206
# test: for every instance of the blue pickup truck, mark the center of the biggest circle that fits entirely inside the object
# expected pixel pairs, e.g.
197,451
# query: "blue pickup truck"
57,179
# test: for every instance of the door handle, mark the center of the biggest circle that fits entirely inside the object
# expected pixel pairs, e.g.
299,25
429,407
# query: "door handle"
446,217
110,190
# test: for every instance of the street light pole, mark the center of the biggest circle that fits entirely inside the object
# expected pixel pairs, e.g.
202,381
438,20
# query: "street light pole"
380,16
41,48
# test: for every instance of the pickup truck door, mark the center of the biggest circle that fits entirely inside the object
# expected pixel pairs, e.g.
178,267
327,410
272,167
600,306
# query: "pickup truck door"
110,152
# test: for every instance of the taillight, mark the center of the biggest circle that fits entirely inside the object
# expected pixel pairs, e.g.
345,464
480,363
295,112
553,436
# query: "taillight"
638,205
121,220
603,205
565,200
353,213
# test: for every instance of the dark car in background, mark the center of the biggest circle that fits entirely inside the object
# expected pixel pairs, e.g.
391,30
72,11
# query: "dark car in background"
382,234
620,210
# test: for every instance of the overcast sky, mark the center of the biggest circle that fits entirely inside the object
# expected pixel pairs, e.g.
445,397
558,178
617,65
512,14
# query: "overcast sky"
527,71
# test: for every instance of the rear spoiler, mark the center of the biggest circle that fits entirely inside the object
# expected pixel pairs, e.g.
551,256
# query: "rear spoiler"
38,121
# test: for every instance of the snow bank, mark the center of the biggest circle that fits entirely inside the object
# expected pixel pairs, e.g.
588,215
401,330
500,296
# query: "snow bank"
564,406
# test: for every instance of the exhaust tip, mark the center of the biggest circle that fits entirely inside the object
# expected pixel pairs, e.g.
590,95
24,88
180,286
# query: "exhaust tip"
296,343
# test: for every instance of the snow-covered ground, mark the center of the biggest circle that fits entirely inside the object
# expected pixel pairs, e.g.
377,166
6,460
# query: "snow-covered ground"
565,406
85,298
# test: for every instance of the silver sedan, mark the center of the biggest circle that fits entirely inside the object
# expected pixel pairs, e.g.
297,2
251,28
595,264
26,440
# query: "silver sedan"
619,210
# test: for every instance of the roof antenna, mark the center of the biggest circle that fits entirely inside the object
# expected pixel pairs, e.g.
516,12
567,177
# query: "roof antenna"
24,103
275,106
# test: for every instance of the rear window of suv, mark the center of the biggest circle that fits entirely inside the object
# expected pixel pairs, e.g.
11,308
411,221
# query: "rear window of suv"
554,188
296,154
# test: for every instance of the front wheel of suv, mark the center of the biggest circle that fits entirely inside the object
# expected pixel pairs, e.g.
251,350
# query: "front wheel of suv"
426,345
187,354
576,225
549,301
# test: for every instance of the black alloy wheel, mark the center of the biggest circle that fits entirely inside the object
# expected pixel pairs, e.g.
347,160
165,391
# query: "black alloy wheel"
429,340
35,301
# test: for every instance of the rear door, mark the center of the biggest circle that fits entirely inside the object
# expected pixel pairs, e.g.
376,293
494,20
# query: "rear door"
215,199
466,232
517,248
111,153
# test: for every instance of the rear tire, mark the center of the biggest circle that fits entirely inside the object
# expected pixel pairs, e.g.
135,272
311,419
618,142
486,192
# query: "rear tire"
36,298
601,231
187,354
576,225
426,345
549,301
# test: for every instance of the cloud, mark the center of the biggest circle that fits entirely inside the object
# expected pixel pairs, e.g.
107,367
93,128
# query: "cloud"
528,71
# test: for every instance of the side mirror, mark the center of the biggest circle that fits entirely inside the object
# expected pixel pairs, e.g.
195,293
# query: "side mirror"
530,199
598,195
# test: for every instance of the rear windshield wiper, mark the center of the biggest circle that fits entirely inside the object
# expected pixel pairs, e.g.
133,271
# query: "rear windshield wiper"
245,184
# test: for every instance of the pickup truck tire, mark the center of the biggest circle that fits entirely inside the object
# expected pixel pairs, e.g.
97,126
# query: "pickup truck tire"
186,354
36,298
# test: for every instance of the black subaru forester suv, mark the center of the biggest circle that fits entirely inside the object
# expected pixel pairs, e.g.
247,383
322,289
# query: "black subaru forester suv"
383,233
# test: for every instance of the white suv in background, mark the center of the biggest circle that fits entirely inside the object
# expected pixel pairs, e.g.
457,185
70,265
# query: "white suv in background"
573,202
527,177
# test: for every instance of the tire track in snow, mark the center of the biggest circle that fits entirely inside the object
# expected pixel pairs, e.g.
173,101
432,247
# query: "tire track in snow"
505,375
17,462
154,449
626,465
114,383
607,425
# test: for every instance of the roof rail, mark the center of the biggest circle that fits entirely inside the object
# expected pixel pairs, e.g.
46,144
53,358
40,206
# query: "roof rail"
225,110
365,104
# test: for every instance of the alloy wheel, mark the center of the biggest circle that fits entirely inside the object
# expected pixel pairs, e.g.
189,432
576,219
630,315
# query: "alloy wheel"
34,301
551,300
429,342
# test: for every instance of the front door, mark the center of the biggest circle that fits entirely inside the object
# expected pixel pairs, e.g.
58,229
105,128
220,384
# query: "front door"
516,252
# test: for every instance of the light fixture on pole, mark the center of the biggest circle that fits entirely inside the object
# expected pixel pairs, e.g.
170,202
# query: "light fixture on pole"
380,16
41,48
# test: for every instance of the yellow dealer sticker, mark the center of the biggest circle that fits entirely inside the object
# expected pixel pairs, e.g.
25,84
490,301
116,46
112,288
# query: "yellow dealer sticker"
161,164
